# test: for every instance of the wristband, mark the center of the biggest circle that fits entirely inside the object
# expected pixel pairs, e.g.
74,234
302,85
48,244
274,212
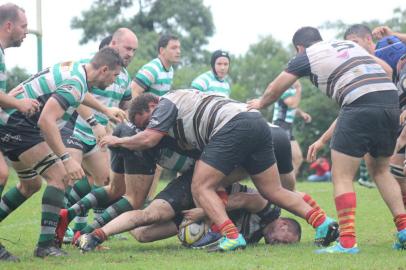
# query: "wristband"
65,156
92,121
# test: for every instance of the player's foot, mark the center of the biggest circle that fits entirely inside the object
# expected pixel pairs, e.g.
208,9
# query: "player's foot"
366,183
62,226
337,248
227,244
68,237
326,233
89,242
51,250
400,240
7,256
75,240
208,240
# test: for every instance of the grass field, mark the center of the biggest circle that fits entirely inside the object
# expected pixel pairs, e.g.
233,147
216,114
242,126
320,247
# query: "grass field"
374,227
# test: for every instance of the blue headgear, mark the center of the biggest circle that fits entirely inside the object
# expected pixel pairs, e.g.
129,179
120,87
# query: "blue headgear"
390,49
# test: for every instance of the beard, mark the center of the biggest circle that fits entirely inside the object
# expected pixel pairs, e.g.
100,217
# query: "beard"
16,43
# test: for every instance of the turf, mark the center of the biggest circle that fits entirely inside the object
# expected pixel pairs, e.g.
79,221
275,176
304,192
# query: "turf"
375,231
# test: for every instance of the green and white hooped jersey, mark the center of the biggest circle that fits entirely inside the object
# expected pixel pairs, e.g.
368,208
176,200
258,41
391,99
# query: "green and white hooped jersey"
281,111
173,161
66,82
154,78
119,91
3,75
209,83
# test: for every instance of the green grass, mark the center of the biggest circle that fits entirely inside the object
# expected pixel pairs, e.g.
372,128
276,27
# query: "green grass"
375,231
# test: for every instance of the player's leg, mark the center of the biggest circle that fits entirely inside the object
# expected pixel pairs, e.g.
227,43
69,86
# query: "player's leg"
47,164
155,232
29,184
3,173
391,194
297,156
158,211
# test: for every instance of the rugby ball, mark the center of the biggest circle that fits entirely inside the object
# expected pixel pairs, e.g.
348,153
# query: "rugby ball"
191,233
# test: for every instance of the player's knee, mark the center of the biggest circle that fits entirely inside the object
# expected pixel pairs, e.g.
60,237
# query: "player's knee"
3,176
141,235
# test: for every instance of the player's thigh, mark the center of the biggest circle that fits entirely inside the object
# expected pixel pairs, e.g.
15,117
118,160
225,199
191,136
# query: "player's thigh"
3,170
97,164
137,187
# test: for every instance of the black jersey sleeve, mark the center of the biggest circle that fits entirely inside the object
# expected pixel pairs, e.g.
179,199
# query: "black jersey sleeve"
164,116
299,65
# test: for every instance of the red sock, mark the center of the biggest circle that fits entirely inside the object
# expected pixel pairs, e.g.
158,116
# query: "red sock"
400,221
315,217
215,228
346,204
310,201
223,196
229,229
100,234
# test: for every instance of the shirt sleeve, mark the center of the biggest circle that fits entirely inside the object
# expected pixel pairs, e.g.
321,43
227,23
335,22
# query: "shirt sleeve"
299,65
164,116
69,94
146,76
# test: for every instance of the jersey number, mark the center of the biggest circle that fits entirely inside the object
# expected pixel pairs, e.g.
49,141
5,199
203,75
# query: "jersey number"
342,46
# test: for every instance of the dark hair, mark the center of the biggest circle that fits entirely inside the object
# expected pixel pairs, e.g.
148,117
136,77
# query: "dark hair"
105,42
107,57
306,36
9,12
360,30
297,229
164,40
215,55
140,105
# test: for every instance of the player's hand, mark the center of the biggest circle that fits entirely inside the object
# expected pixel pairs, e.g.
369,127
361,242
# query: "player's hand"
313,150
109,140
307,118
382,31
28,106
73,169
254,104
193,215
15,91
116,115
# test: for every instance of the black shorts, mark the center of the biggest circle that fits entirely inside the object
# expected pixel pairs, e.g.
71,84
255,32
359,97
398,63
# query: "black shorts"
365,126
71,141
125,161
287,127
178,194
245,141
283,150
19,135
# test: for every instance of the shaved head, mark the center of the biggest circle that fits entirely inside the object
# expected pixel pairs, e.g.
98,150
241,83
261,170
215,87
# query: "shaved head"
126,43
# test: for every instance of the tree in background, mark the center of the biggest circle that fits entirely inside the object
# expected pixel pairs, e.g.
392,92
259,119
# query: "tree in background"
189,19
15,76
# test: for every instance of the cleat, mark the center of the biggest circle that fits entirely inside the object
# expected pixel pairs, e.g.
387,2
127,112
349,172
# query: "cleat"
62,226
326,233
53,251
75,240
89,242
366,183
7,256
227,244
337,248
68,237
208,240
400,243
